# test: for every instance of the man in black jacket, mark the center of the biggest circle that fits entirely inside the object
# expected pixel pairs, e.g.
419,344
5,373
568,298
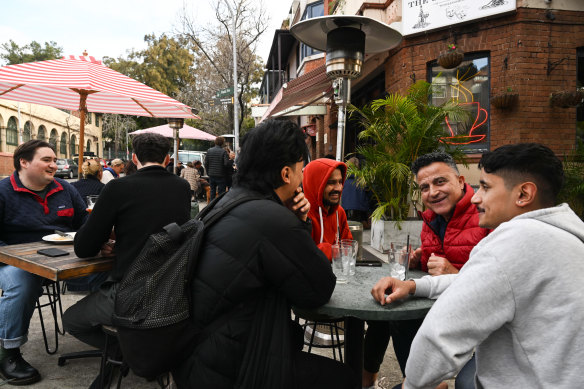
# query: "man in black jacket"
134,207
255,262
218,164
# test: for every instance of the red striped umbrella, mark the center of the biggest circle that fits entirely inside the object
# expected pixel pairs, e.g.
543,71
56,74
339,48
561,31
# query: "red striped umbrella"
87,86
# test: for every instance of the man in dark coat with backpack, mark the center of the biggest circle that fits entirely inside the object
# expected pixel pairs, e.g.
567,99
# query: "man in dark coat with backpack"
256,261
134,207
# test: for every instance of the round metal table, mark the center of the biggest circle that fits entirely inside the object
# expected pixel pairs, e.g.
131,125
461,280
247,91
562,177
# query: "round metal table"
354,302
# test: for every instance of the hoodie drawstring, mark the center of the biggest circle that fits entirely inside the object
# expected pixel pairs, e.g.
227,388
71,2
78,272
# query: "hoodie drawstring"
321,224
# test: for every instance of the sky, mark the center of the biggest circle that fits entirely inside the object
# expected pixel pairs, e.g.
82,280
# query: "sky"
110,27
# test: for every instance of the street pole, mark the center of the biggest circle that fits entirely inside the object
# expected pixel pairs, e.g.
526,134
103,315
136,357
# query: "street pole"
235,90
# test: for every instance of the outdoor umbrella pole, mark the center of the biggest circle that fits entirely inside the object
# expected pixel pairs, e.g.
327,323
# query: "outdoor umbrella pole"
82,110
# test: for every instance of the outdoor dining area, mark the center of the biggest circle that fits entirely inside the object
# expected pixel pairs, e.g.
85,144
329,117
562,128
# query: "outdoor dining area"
351,301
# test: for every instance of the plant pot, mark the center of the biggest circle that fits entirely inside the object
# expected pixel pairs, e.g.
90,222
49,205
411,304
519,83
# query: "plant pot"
566,99
450,58
505,100
384,232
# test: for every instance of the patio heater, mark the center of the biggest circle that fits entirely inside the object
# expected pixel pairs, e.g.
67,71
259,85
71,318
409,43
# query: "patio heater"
176,124
346,40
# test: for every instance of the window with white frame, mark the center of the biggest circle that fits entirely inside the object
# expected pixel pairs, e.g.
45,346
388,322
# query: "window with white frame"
312,10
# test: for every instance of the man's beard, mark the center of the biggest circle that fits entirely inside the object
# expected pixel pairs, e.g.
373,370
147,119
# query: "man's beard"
328,203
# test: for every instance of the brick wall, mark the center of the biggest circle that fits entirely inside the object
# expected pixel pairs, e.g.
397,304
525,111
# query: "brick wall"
6,164
528,39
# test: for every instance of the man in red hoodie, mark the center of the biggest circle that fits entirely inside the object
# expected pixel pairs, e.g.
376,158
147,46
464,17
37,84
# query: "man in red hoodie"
323,184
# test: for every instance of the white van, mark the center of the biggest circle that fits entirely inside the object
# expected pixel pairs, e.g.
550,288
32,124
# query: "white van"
189,156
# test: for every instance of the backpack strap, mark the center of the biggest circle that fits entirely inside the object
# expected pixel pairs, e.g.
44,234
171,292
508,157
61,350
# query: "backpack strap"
210,215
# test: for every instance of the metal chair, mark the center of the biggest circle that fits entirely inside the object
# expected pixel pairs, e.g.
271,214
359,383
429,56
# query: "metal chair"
315,334
52,292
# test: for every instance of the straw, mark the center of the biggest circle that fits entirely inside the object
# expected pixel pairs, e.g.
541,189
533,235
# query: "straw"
408,243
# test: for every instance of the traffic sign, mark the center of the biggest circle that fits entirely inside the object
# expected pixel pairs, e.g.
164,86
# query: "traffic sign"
224,93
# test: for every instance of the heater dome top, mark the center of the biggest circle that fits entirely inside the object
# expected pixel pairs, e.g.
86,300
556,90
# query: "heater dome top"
378,36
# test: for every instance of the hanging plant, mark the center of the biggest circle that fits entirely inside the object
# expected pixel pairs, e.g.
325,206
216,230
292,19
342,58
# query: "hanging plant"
566,98
506,100
451,57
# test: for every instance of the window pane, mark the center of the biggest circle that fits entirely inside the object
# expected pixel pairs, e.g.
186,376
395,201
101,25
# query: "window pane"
42,134
311,11
53,138
468,84
12,132
63,146
26,132
72,148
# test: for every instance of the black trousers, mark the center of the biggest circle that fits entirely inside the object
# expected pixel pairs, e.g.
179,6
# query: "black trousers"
314,371
377,337
83,320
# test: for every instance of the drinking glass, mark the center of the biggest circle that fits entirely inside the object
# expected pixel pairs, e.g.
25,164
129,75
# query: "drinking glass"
354,245
339,265
398,258
91,200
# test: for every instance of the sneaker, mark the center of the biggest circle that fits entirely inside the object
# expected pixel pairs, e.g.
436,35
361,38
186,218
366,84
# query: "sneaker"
17,371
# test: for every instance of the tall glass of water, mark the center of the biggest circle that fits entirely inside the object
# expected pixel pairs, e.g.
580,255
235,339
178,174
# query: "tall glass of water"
398,258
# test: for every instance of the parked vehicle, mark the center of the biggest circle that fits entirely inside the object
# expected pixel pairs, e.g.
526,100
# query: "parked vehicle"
67,168
190,155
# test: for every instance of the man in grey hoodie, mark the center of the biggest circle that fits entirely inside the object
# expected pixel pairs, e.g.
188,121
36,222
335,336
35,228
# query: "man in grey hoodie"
518,299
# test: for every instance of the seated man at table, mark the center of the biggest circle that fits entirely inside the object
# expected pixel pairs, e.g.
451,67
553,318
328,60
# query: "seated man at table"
518,299
449,233
134,207
33,203
113,171
255,262
323,184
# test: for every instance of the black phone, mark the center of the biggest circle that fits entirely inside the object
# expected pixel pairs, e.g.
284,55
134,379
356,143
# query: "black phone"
52,252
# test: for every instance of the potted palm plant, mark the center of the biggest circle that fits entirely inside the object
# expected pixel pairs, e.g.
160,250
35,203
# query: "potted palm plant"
396,131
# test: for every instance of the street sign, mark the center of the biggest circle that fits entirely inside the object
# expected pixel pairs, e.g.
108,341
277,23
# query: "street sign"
224,93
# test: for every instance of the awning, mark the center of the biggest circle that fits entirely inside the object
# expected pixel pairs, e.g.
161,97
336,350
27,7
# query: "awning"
303,91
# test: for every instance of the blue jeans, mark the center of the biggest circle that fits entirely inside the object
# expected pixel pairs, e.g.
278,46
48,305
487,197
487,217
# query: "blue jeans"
466,377
20,291
217,184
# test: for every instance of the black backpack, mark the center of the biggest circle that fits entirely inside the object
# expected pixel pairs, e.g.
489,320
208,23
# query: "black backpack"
152,305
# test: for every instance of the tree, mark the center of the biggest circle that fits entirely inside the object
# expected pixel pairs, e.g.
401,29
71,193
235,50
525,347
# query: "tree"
114,129
34,51
164,65
213,68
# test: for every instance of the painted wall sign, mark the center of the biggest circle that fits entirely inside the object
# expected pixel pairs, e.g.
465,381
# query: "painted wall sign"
424,15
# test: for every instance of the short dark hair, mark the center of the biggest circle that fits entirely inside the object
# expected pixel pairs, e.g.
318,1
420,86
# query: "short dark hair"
150,147
219,141
197,162
527,161
27,151
430,158
265,151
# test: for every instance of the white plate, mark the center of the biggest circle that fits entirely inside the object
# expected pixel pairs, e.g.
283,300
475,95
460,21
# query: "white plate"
58,239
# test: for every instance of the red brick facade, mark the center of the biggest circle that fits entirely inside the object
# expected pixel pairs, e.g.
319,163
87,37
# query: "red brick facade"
528,40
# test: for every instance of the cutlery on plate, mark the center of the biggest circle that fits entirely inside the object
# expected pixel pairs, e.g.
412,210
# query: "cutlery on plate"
61,233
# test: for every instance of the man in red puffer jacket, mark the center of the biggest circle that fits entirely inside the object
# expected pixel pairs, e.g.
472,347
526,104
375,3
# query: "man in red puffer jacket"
449,233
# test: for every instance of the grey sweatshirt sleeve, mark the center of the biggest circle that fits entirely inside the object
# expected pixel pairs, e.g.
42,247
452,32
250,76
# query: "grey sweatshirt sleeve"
433,286
478,302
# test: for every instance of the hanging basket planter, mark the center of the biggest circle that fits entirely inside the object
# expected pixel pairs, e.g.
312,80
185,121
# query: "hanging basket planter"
450,58
505,100
566,99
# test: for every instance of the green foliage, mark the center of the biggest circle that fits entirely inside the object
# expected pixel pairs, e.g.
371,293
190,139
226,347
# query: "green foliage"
573,190
396,131
34,51
164,65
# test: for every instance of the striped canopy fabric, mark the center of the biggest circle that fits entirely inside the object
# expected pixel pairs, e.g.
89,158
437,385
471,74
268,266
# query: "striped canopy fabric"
61,82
